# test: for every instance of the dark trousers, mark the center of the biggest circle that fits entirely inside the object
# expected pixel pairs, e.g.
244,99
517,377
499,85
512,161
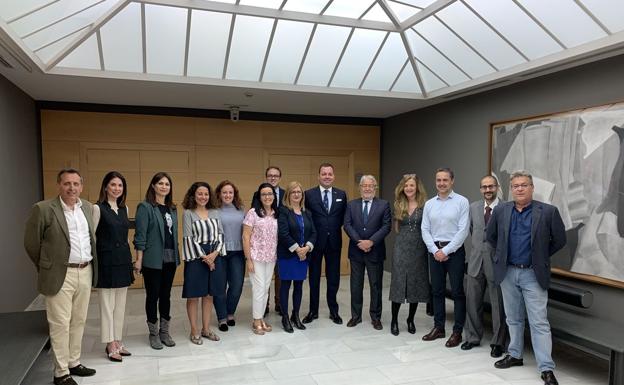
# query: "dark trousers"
158,291
454,266
374,270
296,297
332,274
233,274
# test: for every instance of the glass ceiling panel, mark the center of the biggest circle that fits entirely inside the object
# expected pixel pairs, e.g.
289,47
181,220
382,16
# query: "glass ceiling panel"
249,44
309,6
566,20
419,3
407,81
323,54
46,54
455,49
388,64
377,14
458,17
357,58
609,12
402,11
85,56
165,39
121,40
289,43
208,43
66,26
12,9
274,4
48,15
348,8
527,36
434,60
430,80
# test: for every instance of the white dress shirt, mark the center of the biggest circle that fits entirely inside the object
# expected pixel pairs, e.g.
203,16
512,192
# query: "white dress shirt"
79,237
329,196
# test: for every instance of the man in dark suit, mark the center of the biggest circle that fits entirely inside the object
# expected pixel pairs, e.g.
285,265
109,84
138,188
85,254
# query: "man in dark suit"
273,175
480,274
60,240
525,234
327,205
367,222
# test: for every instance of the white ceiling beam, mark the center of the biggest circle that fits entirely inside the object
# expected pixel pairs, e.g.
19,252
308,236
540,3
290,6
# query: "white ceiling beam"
540,24
98,35
374,59
305,53
593,17
412,60
282,5
396,79
187,40
268,50
407,4
249,10
326,6
18,50
367,9
46,45
88,33
344,49
443,54
390,13
466,42
143,39
229,46
434,73
62,19
434,7
31,11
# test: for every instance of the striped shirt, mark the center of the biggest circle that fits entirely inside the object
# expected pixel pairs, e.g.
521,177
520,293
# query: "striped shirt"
198,231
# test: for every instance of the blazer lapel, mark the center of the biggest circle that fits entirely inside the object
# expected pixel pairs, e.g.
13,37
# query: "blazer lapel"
89,218
535,218
161,222
57,208
373,205
507,223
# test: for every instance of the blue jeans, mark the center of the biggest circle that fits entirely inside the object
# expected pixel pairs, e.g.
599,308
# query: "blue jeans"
522,291
234,273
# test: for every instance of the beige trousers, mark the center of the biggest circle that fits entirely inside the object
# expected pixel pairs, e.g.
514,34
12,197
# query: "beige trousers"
67,313
112,310
260,283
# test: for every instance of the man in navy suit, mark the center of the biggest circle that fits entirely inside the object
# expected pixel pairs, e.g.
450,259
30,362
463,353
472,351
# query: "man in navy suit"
327,205
367,223
525,234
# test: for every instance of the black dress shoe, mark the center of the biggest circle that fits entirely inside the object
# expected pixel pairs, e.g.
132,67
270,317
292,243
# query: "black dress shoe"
64,380
549,378
353,321
411,328
435,333
224,327
231,322
394,328
296,322
497,351
336,318
287,325
508,362
81,371
309,317
377,324
468,345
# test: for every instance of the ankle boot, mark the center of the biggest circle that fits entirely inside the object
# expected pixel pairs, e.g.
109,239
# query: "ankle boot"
294,318
165,338
153,336
286,324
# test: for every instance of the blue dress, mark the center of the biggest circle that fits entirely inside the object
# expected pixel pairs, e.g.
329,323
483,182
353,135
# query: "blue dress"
293,268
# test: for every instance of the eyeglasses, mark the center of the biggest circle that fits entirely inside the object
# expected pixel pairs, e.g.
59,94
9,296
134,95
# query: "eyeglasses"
520,186
489,187
373,186
264,195
273,176
296,193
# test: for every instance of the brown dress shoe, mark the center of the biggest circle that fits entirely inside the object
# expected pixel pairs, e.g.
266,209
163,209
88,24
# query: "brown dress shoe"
353,321
434,334
454,340
377,324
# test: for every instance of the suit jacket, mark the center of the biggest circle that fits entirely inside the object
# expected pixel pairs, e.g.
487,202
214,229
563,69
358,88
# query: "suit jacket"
46,239
481,251
288,232
149,235
375,229
547,237
282,194
327,225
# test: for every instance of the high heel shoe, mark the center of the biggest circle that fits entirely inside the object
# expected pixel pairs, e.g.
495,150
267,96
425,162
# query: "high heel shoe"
114,355
296,322
257,329
411,328
287,325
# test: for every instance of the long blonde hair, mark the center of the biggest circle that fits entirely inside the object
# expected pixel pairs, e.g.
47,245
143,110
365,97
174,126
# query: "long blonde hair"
401,205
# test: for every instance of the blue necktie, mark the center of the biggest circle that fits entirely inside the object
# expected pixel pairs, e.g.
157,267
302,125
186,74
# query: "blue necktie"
365,212
326,200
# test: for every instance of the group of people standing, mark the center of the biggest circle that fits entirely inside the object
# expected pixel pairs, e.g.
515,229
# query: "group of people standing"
290,232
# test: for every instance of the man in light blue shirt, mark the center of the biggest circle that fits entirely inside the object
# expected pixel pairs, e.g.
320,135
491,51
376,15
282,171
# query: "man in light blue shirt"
445,226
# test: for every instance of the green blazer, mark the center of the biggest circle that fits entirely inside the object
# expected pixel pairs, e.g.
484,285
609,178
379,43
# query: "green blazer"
149,234
46,240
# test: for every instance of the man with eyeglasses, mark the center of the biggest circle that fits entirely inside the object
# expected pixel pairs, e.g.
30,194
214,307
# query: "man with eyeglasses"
480,274
444,229
525,234
367,222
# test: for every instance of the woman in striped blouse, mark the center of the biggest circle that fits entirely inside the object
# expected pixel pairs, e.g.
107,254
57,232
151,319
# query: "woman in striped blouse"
203,244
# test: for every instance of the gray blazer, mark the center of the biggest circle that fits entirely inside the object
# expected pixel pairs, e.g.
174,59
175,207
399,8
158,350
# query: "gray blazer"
149,235
481,251
547,237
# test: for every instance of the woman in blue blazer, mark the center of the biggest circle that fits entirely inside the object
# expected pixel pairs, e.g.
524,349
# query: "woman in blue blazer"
157,256
296,238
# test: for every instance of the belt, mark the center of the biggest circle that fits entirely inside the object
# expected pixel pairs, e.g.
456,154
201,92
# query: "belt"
521,266
79,265
440,244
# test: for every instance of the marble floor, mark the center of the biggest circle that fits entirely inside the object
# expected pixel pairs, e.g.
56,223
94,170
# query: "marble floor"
324,354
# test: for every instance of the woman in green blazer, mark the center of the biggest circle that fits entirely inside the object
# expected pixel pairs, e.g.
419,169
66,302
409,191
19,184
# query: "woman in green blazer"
157,256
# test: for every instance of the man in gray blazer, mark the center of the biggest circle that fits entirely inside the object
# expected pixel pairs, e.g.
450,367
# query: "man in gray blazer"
525,234
480,274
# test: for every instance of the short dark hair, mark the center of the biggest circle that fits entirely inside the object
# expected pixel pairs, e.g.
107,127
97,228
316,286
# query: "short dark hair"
266,172
326,164
257,203
447,170
489,176
121,201
69,170
189,201
150,194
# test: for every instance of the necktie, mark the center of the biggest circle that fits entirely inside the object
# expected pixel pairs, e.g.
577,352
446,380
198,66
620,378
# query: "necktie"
488,214
365,212
326,200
